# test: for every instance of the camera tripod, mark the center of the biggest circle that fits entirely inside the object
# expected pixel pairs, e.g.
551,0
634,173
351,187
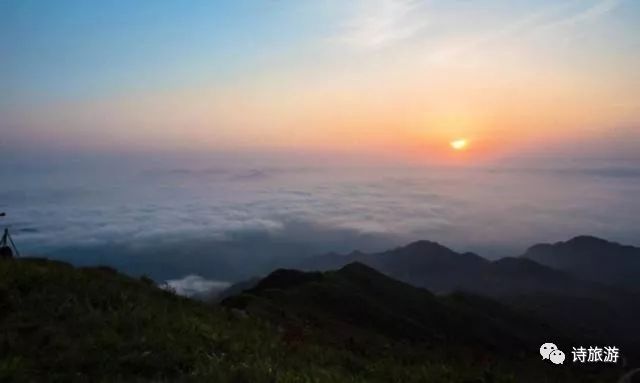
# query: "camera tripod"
7,246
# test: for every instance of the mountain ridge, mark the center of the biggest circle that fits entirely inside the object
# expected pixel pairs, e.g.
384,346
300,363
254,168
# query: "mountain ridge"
517,281
591,258
435,267
61,323
358,296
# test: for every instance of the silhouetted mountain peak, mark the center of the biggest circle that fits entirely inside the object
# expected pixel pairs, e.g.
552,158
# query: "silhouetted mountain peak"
588,239
359,268
578,248
520,265
435,255
357,302
590,242
591,258
286,278
582,242
424,246
545,267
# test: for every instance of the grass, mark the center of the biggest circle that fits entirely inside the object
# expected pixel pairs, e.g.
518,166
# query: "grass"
63,324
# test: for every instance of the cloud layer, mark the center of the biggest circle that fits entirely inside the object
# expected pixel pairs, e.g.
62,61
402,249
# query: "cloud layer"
195,286
230,223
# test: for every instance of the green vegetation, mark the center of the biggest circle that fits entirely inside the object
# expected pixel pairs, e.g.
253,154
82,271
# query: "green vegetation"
59,323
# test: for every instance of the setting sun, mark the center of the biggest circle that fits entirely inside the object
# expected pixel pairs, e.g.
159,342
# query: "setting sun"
459,144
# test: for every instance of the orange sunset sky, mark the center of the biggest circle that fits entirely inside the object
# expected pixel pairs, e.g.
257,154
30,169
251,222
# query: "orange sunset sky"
403,78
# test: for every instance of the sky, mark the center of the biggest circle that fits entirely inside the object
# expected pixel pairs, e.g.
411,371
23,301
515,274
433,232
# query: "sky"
205,142
398,78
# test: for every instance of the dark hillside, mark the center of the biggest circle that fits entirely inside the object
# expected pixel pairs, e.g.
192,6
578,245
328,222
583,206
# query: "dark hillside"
61,324
358,308
593,259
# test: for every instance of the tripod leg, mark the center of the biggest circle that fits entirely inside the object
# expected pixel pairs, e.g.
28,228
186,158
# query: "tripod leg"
12,244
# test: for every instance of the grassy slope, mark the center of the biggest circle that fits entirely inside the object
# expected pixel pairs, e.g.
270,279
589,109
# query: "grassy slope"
61,323
58,323
359,309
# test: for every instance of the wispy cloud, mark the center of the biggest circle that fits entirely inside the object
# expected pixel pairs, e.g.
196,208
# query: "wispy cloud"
381,22
592,13
195,286
557,18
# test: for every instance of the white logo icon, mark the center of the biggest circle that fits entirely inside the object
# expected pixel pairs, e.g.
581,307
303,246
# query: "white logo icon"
556,356
593,354
546,349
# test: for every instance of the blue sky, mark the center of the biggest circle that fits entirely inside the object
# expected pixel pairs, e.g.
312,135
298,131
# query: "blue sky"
397,76
80,48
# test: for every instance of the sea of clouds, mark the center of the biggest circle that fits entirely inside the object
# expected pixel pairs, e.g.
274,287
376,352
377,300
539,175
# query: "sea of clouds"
203,227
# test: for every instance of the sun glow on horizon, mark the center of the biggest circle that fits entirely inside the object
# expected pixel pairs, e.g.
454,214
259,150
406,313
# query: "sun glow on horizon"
459,144
359,77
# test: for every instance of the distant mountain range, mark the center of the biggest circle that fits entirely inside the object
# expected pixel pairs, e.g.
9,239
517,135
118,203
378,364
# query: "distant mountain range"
362,311
592,259
359,304
557,268
565,292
